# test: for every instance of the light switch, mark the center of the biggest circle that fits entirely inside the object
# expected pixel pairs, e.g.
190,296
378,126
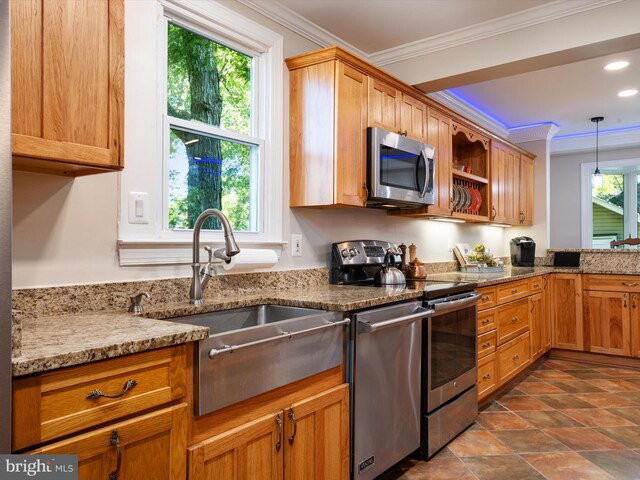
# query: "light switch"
138,207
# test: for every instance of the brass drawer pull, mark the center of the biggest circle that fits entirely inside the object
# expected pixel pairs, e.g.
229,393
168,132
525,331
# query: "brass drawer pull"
485,298
279,441
292,416
486,345
115,441
515,290
485,321
516,357
632,284
487,376
129,384
515,320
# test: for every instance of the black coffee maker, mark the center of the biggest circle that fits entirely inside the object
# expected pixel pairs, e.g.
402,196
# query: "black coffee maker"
523,252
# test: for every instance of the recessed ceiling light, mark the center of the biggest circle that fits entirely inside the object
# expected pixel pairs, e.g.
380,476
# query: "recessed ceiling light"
627,93
616,65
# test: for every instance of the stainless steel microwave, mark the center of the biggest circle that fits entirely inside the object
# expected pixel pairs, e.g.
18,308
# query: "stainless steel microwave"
400,171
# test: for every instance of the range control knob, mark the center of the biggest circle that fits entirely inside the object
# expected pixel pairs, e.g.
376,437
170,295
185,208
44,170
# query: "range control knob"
353,252
344,253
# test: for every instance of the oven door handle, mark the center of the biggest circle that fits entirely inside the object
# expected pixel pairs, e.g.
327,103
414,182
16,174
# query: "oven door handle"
445,307
368,327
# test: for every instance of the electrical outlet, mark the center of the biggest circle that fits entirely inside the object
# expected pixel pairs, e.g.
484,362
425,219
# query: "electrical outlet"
296,245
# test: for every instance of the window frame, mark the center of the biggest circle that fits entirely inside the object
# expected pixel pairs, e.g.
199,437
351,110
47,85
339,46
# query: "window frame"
154,243
630,189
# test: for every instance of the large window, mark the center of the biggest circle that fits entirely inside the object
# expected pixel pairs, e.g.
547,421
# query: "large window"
213,155
204,122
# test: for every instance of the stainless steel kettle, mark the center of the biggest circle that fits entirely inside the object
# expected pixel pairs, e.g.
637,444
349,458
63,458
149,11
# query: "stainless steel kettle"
389,274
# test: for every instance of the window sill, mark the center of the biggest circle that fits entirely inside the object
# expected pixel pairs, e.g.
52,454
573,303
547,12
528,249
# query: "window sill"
176,252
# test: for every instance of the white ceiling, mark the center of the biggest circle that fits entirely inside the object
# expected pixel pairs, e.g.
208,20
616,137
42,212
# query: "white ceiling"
567,95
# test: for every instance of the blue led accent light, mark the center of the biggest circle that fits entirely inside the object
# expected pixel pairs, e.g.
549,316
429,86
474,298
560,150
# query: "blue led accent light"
404,155
476,107
588,134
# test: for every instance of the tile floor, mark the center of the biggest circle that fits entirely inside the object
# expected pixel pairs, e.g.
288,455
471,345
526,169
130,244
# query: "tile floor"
563,421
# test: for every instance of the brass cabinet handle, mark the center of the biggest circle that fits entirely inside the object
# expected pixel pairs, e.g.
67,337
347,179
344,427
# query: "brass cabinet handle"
515,290
486,345
485,298
625,299
292,416
402,132
485,321
487,376
279,441
633,301
515,320
516,357
115,441
366,191
128,385
632,284
495,213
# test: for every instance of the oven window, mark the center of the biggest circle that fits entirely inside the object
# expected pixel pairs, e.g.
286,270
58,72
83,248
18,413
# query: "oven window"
401,169
453,345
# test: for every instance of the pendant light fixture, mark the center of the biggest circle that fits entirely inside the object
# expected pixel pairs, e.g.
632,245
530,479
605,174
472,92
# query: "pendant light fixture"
597,179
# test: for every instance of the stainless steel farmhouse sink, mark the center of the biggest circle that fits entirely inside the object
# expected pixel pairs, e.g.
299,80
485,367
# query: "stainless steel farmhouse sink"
255,349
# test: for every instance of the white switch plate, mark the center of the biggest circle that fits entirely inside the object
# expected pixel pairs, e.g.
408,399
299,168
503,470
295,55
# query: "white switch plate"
138,207
296,245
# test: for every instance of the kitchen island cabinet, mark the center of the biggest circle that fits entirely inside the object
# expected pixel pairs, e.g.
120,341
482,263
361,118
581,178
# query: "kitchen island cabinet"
67,63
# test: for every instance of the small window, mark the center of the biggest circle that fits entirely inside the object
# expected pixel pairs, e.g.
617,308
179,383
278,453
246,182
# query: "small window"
213,156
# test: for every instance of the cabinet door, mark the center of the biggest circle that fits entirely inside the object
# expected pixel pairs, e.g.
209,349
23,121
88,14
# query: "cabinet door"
384,105
413,118
635,324
439,135
252,451
67,86
512,187
537,321
351,137
566,311
317,437
498,183
151,447
546,315
526,190
607,319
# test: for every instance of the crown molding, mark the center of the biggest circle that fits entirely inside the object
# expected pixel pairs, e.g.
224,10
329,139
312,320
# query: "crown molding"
498,26
530,133
463,108
297,23
613,139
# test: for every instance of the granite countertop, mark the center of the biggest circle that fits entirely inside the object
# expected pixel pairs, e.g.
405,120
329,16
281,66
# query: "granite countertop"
509,274
65,340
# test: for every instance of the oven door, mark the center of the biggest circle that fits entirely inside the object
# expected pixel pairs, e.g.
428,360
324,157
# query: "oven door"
401,170
449,350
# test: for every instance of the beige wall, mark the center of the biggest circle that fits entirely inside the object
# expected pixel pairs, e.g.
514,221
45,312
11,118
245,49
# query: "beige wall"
65,230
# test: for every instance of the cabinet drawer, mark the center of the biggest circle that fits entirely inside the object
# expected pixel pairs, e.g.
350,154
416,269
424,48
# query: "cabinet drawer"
513,357
535,285
486,343
512,320
486,375
612,283
487,320
487,299
511,291
68,400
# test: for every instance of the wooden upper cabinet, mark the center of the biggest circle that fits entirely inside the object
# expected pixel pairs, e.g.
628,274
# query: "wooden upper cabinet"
498,182
413,118
67,64
385,105
526,190
328,129
439,135
566,311
512,195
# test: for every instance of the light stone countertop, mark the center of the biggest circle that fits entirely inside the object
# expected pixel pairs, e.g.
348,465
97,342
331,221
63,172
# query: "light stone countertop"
65,340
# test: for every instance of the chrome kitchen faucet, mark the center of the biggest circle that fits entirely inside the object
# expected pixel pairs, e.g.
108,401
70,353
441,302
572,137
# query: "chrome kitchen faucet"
201,276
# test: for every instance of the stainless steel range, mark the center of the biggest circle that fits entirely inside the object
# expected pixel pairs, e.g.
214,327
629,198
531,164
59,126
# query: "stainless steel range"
412,365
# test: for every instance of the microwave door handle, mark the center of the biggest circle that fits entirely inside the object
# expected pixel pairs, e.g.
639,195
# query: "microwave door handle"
428,166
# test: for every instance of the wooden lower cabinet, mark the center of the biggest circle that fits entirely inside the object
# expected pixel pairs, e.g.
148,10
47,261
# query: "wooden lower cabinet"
487,375
151,447
512,357
635,325
607,320
566,311
539,326
308,439
513,320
